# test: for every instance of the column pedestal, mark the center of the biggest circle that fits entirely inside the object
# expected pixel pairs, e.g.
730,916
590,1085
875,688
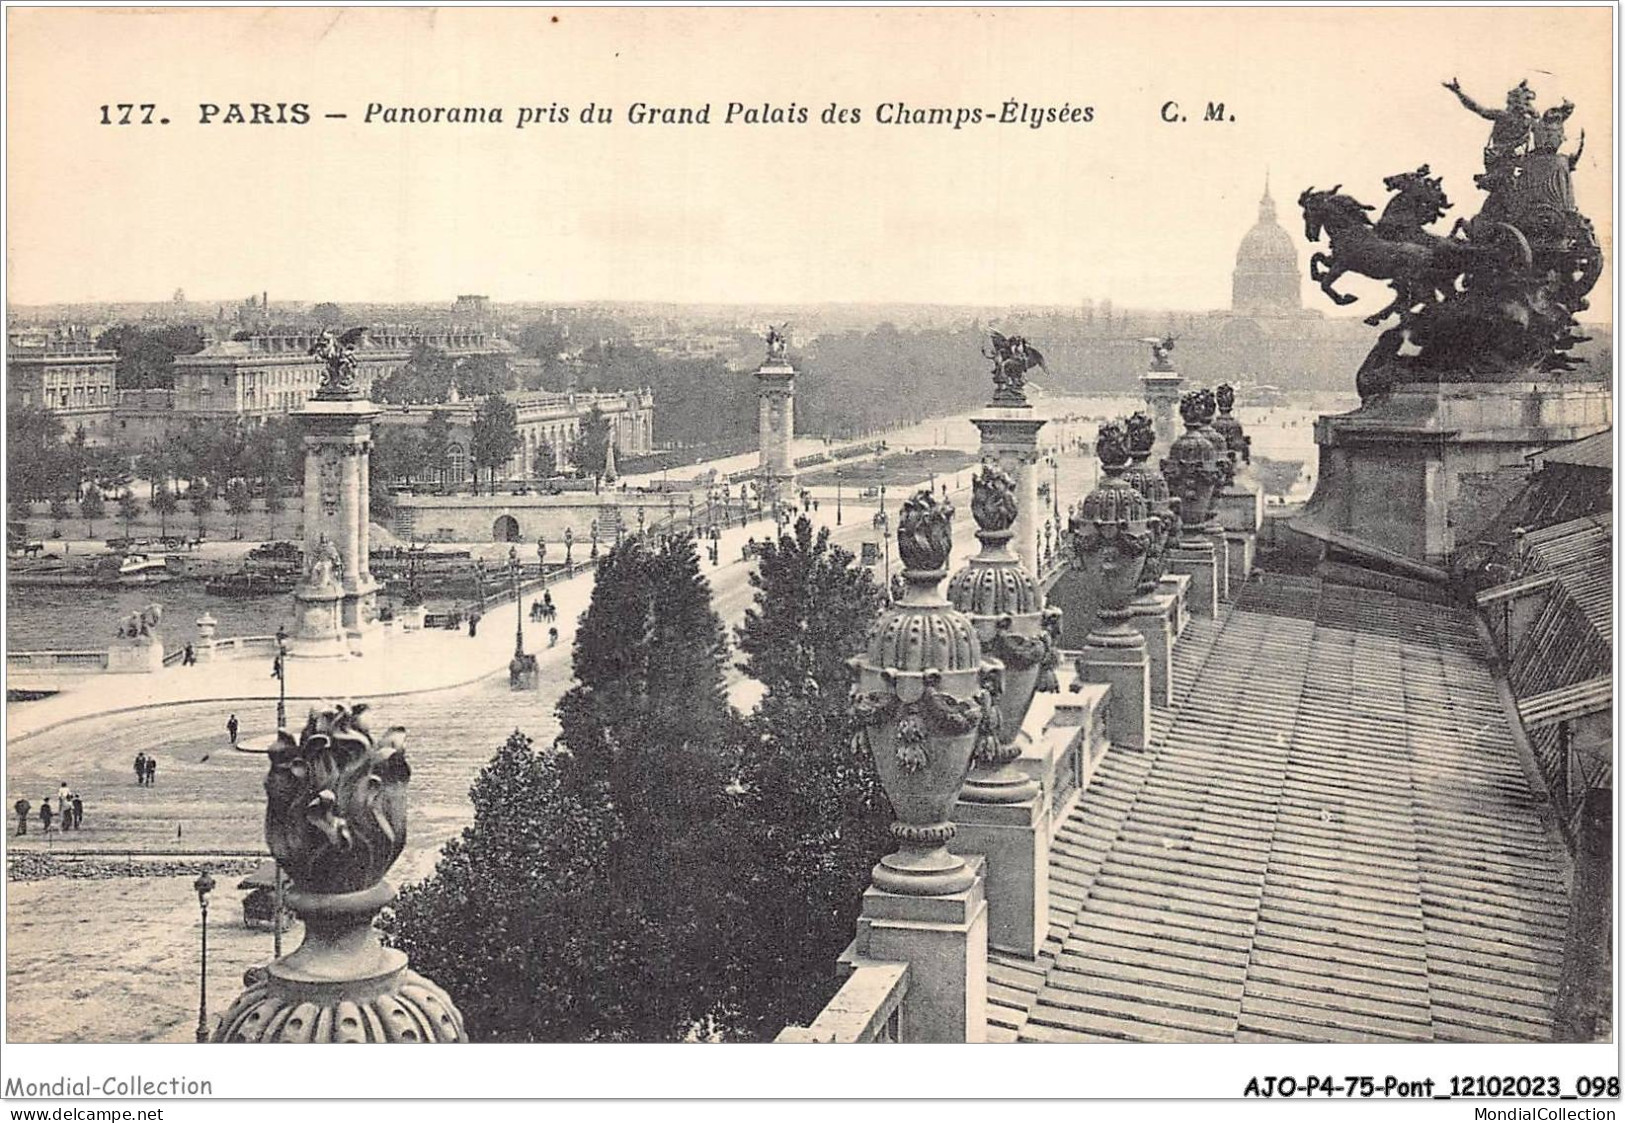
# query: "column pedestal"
135,658
776,428
1014,839
944,942
1123,666
1153,619
318,631
1239,508
1243,546
1198,562
1221,559
1176,585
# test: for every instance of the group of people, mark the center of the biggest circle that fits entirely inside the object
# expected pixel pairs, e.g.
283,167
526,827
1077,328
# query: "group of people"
67,815
543,609
146,770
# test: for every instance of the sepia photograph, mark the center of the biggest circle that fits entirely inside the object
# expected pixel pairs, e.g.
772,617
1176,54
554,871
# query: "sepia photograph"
678,526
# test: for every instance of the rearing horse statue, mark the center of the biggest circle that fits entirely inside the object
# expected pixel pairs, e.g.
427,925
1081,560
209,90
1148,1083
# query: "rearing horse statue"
1419,268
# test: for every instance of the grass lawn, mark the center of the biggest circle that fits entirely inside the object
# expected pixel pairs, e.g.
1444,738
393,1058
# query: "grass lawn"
893,469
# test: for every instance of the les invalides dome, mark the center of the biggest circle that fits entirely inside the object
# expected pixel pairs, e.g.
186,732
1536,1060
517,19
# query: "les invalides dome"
1266,280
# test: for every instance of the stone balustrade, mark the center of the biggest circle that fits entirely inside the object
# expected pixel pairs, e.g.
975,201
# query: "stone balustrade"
867,1008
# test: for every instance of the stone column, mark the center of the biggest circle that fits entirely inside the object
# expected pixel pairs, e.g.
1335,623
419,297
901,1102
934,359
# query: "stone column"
1002,813
1010,440
920,704
776,424
1111,536
1213,528
1162,397
340,984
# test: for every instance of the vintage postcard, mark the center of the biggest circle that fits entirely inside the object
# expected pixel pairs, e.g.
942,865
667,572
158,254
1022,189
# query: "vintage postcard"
567,528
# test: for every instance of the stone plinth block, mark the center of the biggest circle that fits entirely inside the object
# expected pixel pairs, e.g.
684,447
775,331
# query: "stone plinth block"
943,940
1176,586
135,658
1014,839
1243,548
1221,562
1154,619
1239,508
319,624
1424,470
1128,672
1199,564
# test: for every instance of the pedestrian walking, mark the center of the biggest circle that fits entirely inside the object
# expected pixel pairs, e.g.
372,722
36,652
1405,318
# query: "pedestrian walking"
152,770
231,728
188,657
63,795
22,807
78,811
473,625
552,637
45,815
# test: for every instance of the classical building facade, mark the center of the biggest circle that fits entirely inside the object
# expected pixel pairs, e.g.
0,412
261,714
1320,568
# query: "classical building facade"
271,373
68,375
546,421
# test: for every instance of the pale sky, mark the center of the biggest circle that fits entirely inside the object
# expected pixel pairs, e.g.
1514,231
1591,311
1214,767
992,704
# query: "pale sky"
1125,207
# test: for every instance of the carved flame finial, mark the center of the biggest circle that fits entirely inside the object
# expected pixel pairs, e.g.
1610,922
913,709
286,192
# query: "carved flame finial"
993,499
924,534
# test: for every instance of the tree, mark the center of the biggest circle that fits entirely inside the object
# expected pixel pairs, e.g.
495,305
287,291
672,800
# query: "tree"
165,503
129,509
480,376
495,436
59,511
91,508
592,446
32,435
327,314
519,921
239,501
648,717
437,444
426,377
201,503
812,814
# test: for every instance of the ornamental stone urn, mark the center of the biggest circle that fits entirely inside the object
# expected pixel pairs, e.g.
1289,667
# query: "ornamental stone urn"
335,819
1111,536
1150,482
1002,600
1237,442
921,698
1207,404
1192,471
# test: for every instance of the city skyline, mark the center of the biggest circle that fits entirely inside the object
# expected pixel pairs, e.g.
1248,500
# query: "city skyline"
1125,207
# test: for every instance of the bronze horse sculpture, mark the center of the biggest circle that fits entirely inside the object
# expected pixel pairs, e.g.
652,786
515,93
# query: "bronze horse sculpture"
1419,266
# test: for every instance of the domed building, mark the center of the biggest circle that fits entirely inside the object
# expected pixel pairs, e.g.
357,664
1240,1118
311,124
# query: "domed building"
1267,278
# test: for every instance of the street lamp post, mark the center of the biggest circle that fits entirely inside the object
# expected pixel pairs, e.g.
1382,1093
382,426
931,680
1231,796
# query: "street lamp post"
204,886
541,558
640,521
691,510
569,541
595,538
519,608
837,497
281,670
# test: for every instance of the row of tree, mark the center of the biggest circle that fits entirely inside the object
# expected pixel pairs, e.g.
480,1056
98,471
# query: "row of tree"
669,869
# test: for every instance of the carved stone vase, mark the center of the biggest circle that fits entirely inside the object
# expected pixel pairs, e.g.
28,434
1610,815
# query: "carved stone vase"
1207,408
1192,471
1111,536
335,819
1237,443
1149,481
1001,598
921,699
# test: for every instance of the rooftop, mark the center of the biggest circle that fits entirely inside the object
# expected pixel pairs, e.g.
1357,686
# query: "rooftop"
1331,837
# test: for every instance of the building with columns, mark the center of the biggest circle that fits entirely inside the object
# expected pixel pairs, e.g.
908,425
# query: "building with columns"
547,420
68,375
271,373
